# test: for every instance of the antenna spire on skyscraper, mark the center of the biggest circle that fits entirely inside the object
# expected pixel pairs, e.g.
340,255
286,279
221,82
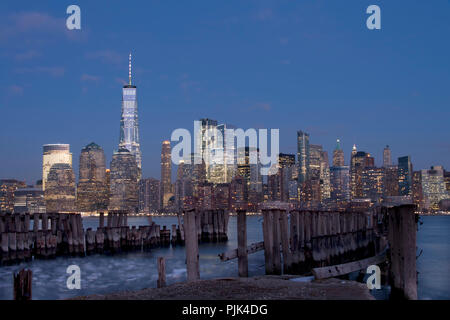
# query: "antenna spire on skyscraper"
129,70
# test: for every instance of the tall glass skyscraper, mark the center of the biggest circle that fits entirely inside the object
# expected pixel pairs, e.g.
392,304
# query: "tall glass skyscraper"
303,156
129,127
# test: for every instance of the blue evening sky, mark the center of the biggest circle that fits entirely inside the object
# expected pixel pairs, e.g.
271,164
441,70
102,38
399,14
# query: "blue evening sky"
293,65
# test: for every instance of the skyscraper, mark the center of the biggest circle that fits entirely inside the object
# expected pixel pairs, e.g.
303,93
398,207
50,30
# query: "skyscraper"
387,157
433,187
52,154
359,162
149,198
124,176
129,127
60,191
92,192
166,173
338,155
303,156
208,146
404,176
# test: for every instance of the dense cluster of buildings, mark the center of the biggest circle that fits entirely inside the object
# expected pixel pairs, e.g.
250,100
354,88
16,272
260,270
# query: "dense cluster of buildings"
305,179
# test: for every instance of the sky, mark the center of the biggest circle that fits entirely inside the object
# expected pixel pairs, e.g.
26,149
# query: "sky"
289,65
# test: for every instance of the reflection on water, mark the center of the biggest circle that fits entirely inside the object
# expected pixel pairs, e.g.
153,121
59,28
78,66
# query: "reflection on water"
137,270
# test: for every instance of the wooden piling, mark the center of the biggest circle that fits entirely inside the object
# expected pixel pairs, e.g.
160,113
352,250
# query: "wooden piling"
23,285
242,243
191,239
402,242
268,241
284,229
161,272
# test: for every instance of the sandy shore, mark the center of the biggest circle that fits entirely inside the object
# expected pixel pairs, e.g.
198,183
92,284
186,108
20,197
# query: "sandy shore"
256,288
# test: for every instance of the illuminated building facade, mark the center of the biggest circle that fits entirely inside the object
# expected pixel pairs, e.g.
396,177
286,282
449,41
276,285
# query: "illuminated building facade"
7,193
124,177
129,126
303,156
92,191
53,154
338,155
59,193
387,157
166,173
433,187
404,176
149,195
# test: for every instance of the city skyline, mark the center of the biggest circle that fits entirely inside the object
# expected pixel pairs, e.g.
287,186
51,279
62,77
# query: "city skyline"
282,87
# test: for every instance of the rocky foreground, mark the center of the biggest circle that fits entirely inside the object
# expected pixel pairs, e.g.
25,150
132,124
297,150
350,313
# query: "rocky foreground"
255,288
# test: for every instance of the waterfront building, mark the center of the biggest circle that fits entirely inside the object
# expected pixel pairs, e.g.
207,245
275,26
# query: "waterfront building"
124,177
372,183
417,192
149,195
53,154
60,189
92,191
340,183
29,200
129,124
7,190
360,160
390,182
237,193
251,174
405,170
433,187
166,173
325,183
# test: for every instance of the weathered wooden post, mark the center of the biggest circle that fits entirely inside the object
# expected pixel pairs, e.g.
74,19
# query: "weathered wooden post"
268,240
402,243
276,242
22,285
284,229
242,243
101,221
161,272
191,239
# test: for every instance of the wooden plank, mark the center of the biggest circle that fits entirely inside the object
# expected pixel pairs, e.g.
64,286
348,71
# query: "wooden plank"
346,268
233,254
287,254
267,236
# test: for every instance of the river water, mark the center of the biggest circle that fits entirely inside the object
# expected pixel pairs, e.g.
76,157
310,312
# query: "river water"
132,271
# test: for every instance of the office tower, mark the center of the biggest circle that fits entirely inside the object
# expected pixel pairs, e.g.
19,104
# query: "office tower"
325,188
286,164
29,200
166,173
303,156
372,183
208,146
315,159
124,177
92,192
417,192
360,160
149,196
223,163
52,154
222,196
59,192
205,196
251,174
404,176
433,187
340,183
7,190
338,155
129,125
390,181
237,193
387,157
447,180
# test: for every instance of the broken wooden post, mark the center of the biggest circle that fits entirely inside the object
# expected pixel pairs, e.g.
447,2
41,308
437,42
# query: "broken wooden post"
402,244
276,242
22,285
191,239
242,243
161,272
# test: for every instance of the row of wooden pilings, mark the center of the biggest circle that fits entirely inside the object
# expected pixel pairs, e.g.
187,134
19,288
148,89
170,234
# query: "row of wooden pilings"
297,241
60,234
